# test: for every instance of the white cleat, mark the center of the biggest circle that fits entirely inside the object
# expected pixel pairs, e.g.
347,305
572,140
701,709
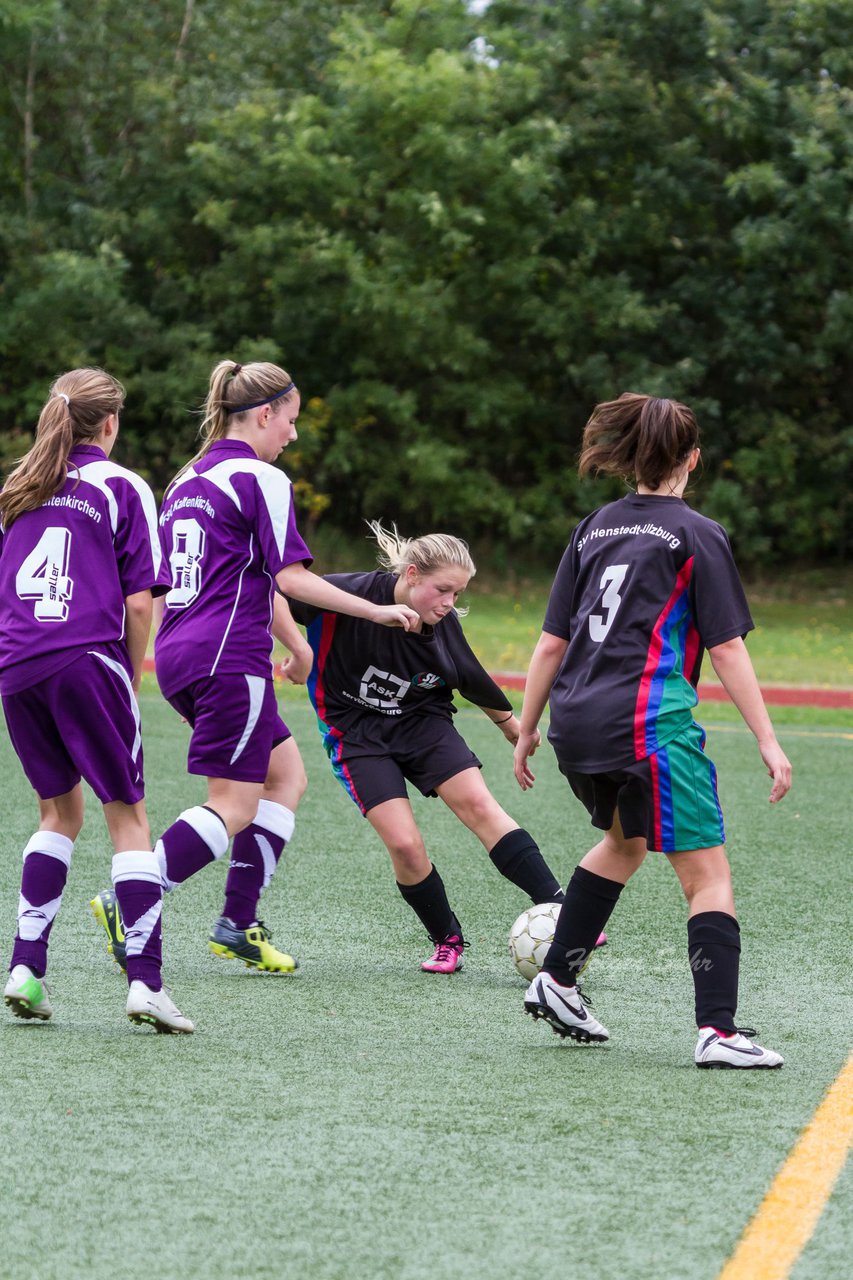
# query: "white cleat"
565,1008
26,995
157,1009
735,1051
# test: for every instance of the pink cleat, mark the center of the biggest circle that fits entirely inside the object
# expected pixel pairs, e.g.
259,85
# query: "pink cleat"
602,938
447,957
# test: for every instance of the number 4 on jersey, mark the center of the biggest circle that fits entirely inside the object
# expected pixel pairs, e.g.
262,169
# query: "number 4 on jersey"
611,581
43,576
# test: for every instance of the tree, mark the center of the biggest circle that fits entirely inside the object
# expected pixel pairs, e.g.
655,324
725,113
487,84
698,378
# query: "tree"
458,231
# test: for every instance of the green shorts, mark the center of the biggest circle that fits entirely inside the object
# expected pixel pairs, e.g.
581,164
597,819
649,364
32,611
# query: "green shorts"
669,799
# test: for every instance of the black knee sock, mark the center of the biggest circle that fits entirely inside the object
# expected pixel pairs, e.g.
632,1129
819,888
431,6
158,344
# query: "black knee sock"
518,857
590,899
713,948
429,902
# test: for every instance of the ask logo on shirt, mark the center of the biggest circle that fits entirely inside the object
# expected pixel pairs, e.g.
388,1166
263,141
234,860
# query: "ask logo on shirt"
382,689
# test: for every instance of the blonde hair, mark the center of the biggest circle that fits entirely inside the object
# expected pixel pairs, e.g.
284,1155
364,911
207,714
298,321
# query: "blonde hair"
234,390
430,552
79,403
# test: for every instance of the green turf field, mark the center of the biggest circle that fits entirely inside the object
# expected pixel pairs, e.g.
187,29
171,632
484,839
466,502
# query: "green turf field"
365,1120
802,627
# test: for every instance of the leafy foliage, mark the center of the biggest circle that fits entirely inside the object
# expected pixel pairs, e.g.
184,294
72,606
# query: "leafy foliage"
458,231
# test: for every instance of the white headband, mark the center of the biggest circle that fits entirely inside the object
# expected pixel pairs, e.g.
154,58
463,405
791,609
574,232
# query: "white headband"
64,397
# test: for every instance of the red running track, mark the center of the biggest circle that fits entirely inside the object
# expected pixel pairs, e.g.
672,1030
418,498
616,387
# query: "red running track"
774,695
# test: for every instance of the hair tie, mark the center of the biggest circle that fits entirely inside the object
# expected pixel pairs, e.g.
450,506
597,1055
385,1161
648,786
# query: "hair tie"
64,397
256,404
237,369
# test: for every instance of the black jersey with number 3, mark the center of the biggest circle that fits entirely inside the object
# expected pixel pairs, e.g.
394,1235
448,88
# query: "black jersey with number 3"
644,587
362,668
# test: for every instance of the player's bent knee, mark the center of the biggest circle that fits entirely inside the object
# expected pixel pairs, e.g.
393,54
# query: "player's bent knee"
410,857
479,811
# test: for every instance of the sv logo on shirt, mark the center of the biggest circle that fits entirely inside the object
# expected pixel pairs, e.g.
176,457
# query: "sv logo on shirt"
381,689
428,680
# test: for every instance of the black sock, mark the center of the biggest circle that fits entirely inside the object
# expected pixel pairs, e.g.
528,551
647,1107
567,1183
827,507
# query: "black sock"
713,949
429,902
590,899
518,857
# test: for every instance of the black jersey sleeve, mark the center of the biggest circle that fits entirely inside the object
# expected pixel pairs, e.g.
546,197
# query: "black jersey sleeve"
354,583
558,615
474,682
302,613
718,600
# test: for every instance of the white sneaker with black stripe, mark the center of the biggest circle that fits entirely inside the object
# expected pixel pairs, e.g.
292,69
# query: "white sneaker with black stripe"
564,1008
735,1051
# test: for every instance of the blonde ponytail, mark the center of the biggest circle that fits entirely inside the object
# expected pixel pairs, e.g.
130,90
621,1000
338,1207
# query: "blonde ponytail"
235,389
80,401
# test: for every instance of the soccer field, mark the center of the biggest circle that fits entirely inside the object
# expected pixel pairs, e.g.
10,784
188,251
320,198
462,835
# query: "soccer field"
365,1120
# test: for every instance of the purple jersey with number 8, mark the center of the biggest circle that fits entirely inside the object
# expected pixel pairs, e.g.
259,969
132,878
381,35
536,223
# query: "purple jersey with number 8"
66,568
228,527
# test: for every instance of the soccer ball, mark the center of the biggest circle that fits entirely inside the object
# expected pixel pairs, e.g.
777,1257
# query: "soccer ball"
531,936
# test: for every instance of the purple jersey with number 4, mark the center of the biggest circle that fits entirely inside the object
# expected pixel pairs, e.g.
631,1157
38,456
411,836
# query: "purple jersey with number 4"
228,527
66,568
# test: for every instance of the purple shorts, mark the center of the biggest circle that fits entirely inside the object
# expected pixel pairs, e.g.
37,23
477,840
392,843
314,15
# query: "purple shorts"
374,762
235,724
81,722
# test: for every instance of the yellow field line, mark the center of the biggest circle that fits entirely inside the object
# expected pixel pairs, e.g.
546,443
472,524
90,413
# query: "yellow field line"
789,1212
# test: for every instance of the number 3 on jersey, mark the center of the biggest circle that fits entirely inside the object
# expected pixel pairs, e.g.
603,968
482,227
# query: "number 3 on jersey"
185,560
43,576
611,581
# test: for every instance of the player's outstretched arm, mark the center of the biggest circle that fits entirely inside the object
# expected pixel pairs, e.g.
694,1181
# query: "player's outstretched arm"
544,665
297,581
507,722
734,667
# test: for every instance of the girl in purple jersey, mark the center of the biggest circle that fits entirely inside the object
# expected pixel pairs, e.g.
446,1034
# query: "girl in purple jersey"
385,708
80,560
229,533
646,584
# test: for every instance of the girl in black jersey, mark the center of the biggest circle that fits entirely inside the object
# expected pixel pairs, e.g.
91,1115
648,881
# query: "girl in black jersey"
644,587
385,711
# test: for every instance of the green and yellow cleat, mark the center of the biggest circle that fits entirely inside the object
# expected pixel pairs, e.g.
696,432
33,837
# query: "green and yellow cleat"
251,945
106,911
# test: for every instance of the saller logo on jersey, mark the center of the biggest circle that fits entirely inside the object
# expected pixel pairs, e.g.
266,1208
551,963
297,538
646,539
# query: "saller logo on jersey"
381,689
428,680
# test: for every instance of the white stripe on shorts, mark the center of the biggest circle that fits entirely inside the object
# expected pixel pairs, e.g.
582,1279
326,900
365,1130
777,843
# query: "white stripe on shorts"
256,701
125,679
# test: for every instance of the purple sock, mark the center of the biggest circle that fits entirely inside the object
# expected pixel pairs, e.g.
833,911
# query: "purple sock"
47,858
255,854
197,838
136,879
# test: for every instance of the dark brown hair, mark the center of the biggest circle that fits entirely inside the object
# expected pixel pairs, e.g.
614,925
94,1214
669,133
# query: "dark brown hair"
80,402
639,438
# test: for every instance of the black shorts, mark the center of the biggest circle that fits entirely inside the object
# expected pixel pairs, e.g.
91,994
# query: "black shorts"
380,754
669,799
